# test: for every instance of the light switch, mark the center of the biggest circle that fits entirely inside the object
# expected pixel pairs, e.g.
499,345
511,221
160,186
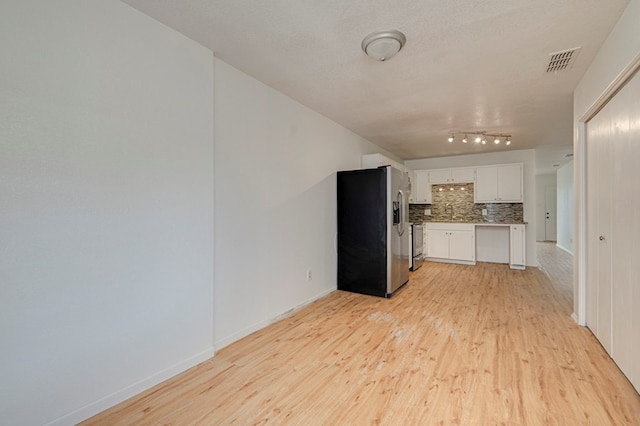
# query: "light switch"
484,212
427,212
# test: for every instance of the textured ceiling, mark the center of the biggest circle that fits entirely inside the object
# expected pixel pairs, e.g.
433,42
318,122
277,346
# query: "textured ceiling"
467,65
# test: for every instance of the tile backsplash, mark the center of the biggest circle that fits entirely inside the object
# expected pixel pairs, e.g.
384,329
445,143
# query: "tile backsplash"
460,198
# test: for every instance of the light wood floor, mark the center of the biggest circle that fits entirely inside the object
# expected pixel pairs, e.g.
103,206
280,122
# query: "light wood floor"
459,344
557,265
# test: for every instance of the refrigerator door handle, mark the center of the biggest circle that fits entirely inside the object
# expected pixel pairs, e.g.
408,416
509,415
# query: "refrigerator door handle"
401,224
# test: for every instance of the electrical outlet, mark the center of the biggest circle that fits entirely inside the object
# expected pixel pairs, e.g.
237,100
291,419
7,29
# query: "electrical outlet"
427,212
308,274
484,212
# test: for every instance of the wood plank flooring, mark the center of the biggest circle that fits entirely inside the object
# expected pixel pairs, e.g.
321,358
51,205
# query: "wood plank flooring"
459,344
557,265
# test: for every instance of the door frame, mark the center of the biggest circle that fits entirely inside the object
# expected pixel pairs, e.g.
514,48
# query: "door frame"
580,190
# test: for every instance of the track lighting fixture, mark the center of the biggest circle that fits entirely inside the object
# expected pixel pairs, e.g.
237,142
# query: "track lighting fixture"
481,137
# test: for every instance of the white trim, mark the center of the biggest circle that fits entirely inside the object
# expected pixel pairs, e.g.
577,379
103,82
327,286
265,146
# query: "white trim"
295,309
564,249
117,397
580,226
574,317
620,80
457,262
262,324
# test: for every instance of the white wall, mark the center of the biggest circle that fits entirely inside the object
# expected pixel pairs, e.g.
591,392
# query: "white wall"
565,207
542,181
526,156
621,49
106,181
275,183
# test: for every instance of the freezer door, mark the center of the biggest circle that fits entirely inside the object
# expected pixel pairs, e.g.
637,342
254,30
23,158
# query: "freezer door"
397,230
363,219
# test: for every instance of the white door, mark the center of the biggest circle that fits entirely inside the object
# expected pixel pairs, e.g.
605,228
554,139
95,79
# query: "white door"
613,228
550,221
625,229
599,196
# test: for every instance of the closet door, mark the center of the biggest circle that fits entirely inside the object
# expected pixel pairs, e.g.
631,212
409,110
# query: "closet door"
599,233
625,220
613,228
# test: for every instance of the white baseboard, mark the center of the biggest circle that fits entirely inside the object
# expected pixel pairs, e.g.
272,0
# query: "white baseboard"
296,308
117,397
457,262
574,317
240,334
564,249
262,324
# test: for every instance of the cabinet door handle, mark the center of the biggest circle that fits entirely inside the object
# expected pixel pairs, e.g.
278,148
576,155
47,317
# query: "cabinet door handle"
601,237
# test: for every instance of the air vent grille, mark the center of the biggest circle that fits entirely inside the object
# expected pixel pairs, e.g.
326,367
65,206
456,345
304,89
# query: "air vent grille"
568,155
560,61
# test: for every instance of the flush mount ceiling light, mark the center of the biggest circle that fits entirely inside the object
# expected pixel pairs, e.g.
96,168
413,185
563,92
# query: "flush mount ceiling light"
383,45
481,137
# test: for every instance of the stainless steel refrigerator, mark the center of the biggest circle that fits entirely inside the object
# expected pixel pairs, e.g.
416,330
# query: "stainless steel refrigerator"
373,230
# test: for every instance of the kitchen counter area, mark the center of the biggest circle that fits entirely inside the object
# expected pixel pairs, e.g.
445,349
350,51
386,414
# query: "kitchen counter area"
424,222
461,226
470,242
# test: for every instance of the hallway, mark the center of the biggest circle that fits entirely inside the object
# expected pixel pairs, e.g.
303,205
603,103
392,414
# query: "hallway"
557,265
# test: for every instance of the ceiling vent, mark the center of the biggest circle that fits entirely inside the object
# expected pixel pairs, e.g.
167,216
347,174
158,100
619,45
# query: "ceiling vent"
560,61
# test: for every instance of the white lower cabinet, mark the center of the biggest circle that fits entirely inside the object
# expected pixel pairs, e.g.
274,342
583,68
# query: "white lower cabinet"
517,244
424,241
453,242
438,243
456,243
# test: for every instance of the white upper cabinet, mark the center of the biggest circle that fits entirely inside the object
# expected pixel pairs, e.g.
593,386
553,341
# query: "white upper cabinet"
499,184
439,176
460,175
412,180
421,187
